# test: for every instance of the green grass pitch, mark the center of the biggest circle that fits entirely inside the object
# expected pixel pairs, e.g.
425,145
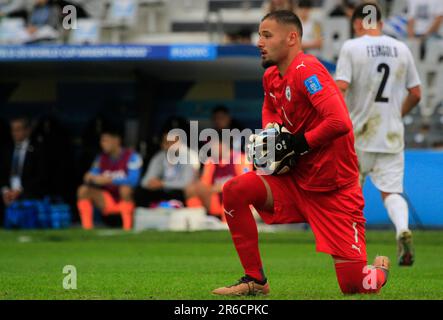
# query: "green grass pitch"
112,264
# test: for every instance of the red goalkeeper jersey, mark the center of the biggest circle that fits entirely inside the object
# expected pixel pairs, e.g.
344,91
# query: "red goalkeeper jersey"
307,100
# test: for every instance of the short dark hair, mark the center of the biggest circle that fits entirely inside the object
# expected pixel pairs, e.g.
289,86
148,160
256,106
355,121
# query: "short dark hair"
220,108
361,13
285,17
115,131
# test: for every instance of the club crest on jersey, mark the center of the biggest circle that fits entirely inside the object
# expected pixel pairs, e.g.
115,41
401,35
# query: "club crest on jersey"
288,93
313,84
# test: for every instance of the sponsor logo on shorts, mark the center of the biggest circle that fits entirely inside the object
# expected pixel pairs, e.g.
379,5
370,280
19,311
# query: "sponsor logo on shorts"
356,248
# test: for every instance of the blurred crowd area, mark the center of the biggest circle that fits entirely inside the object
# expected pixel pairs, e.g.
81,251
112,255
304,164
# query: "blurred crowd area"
200,21
326,27
39,166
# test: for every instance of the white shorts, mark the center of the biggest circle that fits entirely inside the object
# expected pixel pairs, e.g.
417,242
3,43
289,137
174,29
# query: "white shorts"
386,170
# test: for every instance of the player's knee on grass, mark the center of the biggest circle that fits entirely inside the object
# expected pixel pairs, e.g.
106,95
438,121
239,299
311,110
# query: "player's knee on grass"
356,277
125,193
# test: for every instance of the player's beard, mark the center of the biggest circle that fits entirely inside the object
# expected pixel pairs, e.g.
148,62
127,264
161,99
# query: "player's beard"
268,63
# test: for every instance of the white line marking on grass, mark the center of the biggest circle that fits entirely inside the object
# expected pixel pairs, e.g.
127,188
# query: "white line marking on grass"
110,233
24,239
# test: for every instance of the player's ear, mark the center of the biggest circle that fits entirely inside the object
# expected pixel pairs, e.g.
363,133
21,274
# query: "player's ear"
293,38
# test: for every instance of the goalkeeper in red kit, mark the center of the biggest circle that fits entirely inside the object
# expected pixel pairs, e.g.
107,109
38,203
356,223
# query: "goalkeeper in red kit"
315,176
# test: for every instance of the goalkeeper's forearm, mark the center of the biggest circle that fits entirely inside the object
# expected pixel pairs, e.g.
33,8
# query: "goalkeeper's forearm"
336,122
297,142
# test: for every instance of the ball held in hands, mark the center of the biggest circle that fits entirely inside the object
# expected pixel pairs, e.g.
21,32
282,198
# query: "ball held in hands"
275,150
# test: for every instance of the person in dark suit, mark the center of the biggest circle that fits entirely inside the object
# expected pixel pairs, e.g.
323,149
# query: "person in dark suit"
23,173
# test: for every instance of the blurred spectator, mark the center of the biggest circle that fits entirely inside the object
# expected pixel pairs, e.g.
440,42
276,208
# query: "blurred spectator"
312,34
85,8
217,171
166,180
13,9
90,143
173,122
274,5
110,182
242,36
222,119
424,18
344,9
22,168
44,21
396,26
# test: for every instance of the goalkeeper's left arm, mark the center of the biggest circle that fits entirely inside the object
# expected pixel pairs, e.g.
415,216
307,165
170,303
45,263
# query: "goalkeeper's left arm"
336,122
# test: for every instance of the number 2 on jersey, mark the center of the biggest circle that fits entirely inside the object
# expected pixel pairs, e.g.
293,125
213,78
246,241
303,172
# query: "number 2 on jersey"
383,67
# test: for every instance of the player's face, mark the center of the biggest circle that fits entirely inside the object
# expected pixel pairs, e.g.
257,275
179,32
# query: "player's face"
221,120
109,143
166,144
19,131
273,42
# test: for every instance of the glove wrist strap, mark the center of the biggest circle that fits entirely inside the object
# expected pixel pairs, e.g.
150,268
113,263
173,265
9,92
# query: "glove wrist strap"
300,145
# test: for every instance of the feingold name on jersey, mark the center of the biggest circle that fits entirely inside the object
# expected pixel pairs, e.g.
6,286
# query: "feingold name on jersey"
382,51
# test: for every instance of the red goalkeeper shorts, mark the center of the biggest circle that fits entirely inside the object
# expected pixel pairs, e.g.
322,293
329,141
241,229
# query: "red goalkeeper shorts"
336,217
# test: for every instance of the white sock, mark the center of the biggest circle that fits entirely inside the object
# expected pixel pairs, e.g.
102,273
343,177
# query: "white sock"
398,212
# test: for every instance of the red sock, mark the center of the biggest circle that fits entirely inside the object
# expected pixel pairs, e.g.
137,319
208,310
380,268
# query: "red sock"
238,194
86,211
127,213
356,277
